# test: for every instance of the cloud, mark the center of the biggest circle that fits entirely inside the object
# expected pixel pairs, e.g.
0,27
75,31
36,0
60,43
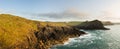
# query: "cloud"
64,15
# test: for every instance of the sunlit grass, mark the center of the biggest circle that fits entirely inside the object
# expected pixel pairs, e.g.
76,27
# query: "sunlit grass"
13,29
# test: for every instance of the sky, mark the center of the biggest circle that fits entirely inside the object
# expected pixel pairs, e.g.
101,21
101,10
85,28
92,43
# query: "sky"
63,10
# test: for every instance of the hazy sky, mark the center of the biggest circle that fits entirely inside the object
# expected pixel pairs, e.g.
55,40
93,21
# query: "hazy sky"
63,9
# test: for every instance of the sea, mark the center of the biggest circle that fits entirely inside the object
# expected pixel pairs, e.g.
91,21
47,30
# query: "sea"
94,39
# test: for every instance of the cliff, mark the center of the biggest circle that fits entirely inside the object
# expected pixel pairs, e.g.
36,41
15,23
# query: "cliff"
91,25
21,33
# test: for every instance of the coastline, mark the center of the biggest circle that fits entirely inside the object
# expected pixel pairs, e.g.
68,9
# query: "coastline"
71,40
21,33
30,34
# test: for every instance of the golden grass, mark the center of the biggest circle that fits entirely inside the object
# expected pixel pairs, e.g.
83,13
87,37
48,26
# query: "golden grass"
13,29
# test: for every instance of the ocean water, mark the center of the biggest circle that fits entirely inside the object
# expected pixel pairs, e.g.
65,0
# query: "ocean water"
95,39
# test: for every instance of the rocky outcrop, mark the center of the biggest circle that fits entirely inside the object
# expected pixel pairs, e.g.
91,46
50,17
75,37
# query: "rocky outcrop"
52,35
90,25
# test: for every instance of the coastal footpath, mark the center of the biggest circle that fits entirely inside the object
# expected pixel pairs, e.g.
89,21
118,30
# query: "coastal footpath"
21,33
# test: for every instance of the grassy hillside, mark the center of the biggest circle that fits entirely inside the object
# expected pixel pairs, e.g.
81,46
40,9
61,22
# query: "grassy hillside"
72,23
13,29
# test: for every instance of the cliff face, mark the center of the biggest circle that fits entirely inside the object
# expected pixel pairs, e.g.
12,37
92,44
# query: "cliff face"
51,35
89,25
20,33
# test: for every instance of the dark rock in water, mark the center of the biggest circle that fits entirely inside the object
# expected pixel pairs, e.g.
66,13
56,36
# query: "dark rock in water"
91,25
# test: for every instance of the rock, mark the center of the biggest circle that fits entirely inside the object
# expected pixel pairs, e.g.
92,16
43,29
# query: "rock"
91,25
51,35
